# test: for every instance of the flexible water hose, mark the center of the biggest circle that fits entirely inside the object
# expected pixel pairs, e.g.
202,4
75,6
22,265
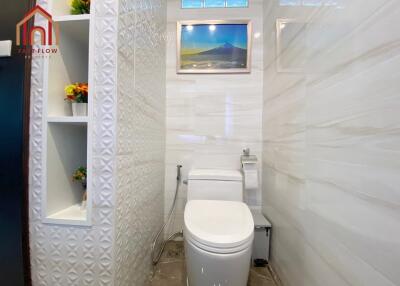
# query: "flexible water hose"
155,258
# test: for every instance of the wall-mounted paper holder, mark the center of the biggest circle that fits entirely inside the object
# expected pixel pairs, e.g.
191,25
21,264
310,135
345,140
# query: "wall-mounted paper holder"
246,158
250,171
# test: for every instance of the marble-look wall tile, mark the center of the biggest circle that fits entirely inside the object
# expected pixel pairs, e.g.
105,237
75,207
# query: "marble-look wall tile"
211,118
331,147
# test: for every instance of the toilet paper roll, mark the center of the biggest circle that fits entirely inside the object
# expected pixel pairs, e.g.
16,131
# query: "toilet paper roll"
250,174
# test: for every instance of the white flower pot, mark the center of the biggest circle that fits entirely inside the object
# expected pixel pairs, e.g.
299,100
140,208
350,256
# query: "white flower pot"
79,109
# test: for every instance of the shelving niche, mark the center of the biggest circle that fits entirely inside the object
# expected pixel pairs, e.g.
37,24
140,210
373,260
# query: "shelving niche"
66,151
69,65
67,138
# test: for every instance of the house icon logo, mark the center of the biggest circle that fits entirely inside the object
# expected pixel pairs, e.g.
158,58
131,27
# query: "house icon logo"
46,33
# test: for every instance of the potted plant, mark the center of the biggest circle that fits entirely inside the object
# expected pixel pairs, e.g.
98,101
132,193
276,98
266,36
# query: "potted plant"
80,175
80,7
77,94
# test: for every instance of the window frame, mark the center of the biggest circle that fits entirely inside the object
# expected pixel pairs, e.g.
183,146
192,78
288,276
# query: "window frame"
225,7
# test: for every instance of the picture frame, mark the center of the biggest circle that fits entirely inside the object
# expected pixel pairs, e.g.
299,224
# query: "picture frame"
214,46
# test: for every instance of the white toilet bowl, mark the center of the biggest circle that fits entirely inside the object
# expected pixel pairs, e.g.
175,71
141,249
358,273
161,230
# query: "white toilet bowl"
218,242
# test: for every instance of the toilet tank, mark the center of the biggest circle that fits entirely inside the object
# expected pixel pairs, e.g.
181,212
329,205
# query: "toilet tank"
214,184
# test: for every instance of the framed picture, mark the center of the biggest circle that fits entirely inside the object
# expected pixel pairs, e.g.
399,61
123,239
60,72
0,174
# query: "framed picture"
214,46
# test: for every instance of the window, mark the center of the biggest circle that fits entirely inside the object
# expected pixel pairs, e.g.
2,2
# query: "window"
192,4
237,3
215,3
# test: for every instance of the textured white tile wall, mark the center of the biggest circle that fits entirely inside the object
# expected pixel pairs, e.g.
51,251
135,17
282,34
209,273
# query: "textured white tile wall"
140,136
128,155
211,118
331,148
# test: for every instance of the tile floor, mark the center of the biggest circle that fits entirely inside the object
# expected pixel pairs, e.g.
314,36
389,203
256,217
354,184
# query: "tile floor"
170,271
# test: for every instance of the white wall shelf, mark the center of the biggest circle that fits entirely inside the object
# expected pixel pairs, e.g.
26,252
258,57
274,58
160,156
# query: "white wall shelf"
67,139
68,119
68,18
73,215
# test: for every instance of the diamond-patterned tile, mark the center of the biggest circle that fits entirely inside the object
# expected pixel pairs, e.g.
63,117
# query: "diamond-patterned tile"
130,56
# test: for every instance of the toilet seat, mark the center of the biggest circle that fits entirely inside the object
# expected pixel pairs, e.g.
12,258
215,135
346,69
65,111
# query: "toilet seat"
218,226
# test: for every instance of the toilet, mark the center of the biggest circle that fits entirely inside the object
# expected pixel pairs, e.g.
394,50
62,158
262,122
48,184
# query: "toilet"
218,229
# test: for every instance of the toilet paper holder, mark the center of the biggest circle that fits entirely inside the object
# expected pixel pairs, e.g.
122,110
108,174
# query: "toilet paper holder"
246,158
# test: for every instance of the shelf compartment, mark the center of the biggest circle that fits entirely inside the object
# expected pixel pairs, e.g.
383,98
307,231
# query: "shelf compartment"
62,8
66,151
69,65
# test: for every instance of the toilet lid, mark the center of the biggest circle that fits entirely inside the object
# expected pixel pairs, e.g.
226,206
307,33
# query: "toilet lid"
218,224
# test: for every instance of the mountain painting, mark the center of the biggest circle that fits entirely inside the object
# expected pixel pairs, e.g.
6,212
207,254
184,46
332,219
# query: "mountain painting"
214,48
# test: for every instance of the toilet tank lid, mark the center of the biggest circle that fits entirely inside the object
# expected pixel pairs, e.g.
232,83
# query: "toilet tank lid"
215,174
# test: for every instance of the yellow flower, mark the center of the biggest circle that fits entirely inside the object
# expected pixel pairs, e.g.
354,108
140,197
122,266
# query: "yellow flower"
69,89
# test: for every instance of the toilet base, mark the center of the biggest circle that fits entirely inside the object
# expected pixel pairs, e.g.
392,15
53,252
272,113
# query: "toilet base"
209,269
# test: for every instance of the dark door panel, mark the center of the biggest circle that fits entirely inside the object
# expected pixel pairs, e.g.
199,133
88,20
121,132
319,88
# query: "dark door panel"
14,100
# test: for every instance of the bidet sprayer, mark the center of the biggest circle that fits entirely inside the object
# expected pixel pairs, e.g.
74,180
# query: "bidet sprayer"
178,172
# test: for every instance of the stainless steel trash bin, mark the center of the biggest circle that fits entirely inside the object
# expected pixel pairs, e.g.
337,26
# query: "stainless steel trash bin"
262,234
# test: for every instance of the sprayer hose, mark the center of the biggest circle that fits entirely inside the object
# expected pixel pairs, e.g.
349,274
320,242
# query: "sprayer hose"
156,256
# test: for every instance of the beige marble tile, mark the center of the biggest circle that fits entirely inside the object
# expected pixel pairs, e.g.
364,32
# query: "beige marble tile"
331,146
